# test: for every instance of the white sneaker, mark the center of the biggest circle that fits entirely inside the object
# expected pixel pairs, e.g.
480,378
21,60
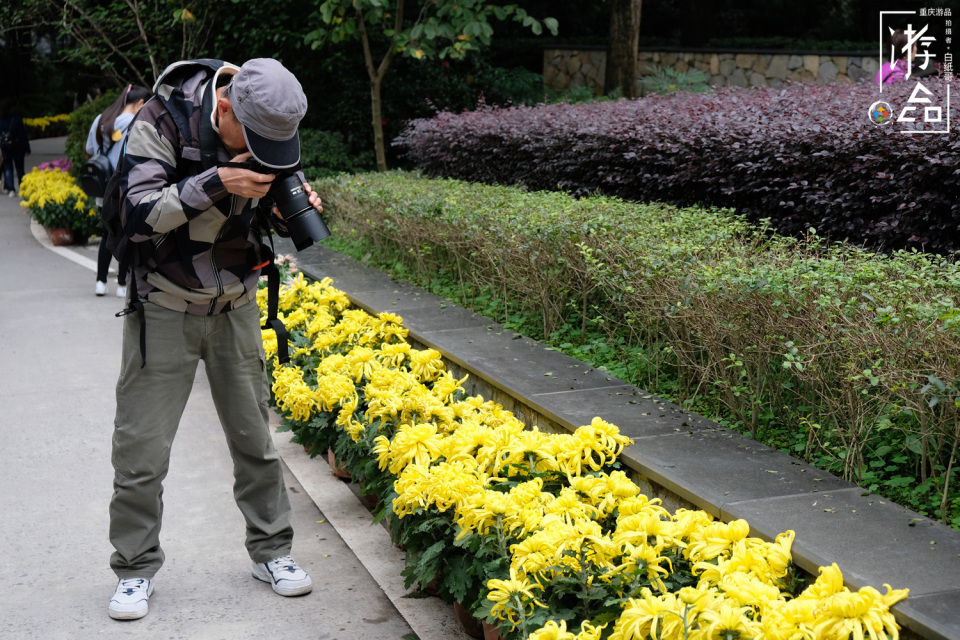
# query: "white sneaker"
284,576
121,291
130,600
13,194
101,289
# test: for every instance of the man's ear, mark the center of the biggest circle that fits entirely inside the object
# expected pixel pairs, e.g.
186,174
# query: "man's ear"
223,105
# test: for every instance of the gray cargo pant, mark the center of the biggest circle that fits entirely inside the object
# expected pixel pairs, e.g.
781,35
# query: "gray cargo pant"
150,402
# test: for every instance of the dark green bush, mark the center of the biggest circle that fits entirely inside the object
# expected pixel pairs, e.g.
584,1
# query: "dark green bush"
668,80
326,153
79,127
846,358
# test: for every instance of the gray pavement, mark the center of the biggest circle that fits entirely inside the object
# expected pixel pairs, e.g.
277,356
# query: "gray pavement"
59,350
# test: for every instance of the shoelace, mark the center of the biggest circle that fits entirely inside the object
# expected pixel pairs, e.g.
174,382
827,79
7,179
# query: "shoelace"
285,563
130,585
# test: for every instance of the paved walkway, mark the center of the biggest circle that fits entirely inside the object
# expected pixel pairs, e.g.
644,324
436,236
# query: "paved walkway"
59,349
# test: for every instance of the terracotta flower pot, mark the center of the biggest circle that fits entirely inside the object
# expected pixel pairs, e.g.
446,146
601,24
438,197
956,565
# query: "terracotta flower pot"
338,469
471,626
490,632
371,500
60,237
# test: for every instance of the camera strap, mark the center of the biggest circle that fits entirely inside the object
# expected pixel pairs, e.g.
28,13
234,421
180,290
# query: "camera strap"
273,303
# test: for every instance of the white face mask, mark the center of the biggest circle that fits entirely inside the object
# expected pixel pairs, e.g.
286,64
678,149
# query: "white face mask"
227,68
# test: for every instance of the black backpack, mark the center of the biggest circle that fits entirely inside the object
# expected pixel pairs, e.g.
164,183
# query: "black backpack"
7,141
115,236
94,175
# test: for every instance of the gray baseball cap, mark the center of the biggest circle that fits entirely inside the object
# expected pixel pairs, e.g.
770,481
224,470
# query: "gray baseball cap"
269,103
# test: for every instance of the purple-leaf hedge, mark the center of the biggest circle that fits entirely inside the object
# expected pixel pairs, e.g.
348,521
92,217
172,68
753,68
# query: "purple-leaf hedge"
802,156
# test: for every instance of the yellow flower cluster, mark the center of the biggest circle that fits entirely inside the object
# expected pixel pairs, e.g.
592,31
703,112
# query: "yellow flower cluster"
43,122
55,199
746,608
460,454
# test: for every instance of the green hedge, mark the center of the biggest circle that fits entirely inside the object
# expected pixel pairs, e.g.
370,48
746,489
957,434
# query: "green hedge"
845,358
79,127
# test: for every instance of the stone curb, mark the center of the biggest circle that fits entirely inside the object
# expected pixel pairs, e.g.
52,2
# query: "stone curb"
430,618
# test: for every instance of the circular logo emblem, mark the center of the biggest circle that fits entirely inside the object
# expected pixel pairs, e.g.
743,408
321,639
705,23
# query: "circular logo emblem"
881,113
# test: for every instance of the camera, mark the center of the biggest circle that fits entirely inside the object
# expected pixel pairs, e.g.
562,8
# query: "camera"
299,217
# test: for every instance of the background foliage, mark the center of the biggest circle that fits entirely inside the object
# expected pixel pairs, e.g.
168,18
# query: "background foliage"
805,156
78,127
845,358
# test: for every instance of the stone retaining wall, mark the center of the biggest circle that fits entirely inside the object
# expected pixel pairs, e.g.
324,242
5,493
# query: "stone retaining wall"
568,68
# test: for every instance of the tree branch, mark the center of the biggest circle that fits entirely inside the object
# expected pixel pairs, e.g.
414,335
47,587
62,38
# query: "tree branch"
365,39
397,26
106,39
104,63
143,36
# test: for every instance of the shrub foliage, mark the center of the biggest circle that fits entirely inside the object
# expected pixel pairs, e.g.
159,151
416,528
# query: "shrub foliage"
79,125
805,156
846,358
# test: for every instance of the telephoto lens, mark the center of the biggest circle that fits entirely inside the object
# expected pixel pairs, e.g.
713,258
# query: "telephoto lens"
302,220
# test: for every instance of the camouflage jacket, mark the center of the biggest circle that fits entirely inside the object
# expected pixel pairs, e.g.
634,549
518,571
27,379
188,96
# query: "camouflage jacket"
198,244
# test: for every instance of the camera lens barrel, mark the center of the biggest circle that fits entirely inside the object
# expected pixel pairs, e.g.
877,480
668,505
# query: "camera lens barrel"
302,220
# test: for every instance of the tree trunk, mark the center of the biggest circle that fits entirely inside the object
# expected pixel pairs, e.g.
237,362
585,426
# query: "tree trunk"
376,78
621,71
377,125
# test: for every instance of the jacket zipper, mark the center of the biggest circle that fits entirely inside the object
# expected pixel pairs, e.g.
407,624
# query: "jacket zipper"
213,259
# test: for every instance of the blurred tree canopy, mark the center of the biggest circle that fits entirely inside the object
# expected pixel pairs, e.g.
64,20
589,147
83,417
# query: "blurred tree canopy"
56,54
421,29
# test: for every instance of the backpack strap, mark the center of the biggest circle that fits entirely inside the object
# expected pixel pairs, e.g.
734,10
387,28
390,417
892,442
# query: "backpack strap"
133,249
208,138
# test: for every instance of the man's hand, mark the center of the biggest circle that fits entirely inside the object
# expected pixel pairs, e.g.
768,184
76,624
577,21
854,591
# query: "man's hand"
313,198
244,182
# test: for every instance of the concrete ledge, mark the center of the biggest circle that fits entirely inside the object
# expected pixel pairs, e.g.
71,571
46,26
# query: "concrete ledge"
430,618
681,457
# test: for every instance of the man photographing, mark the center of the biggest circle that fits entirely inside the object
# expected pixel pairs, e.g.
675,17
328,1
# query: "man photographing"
199,228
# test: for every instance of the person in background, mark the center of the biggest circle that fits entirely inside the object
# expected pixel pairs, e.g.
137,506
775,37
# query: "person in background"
896,69
14,144
106,135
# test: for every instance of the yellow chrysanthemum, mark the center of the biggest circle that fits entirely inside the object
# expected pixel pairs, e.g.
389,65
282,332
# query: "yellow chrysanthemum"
590,632
552,631
512,598
716,540
726,620
651,616
417,444
746,590
860,614
427,365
